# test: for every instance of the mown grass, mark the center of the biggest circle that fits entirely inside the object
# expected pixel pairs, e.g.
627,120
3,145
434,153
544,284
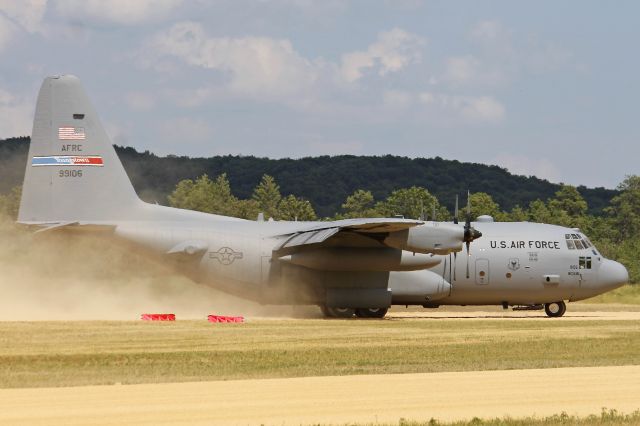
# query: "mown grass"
36,354
606,417
627,295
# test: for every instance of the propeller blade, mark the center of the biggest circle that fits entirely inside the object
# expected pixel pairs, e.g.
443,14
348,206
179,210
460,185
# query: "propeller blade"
444,270
468,256
455,214
450,267
434,211
455,260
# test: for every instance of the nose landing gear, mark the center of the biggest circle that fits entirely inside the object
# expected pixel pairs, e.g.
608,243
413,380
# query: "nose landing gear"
337,312
555,309
349,312
371,312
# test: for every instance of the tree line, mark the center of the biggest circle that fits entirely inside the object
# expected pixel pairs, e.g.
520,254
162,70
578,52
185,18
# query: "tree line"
323,192
325,181
616,232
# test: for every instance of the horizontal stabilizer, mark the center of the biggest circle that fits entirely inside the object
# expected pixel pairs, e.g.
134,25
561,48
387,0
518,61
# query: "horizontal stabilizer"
191,247
75,226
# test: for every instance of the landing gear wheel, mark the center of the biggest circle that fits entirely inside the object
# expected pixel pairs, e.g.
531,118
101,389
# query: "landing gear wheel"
337,312
555,309
371,312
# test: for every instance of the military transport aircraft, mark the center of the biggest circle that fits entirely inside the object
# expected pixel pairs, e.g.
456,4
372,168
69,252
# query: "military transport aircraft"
74,183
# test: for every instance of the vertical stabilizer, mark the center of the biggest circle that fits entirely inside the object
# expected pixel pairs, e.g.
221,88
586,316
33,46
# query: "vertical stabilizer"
73,172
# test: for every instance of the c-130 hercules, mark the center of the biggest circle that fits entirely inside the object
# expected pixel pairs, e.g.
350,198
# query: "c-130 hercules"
75,183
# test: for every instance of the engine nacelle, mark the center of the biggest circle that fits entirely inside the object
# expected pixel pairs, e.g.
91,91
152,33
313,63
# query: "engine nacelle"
430,237
417,287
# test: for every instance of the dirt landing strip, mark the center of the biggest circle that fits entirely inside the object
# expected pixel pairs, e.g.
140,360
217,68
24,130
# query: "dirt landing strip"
514,315
335,400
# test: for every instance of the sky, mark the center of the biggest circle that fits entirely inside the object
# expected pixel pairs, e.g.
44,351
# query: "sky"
543,88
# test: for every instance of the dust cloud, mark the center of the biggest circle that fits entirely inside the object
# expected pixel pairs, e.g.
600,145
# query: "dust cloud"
83,277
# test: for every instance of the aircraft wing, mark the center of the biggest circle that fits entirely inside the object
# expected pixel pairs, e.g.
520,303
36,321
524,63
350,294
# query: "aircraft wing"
319,233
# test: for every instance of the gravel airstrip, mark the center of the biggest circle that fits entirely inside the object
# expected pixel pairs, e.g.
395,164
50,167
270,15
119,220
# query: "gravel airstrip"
445,364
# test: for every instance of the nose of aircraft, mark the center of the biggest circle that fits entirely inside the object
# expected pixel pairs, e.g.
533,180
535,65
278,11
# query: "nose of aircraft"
612,274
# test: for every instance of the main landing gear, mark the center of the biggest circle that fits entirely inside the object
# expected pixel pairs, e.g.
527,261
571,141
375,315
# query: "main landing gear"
555,309
349,312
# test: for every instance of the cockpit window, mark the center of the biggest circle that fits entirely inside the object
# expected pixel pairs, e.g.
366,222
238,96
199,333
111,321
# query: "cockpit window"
577,242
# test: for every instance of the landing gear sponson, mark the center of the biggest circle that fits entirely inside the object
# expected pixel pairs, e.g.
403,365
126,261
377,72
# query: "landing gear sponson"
552,309
350,312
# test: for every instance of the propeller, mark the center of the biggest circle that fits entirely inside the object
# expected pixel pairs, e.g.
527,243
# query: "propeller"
444,270
455,253
455,215
470,233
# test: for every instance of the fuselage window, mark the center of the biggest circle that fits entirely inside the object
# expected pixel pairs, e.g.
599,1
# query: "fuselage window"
584,262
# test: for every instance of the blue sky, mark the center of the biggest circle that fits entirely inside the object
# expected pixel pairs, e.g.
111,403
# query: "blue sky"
545,88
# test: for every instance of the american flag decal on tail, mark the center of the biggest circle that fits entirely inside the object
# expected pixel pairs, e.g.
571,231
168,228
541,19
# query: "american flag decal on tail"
71,133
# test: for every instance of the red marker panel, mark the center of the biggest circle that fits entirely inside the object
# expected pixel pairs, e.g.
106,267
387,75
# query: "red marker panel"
158,317
222,318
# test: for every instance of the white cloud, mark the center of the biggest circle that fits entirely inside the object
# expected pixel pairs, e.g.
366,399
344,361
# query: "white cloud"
26,13
139,101
16,115
489,31
319,145
482,109
188,132
529,166
471,109
444,108
461,69
393,51
397,99
124,12
17,16
255,66
270,69
7,32
499,57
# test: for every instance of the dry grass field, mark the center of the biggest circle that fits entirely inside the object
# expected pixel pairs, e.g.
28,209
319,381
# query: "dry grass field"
49,354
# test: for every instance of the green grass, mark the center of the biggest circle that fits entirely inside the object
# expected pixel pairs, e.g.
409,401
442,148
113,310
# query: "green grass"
627,295
606,417
35,354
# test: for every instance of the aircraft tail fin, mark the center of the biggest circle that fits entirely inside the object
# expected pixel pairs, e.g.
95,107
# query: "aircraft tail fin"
73,172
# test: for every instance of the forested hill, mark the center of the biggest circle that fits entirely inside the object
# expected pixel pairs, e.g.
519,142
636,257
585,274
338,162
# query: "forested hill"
325,181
